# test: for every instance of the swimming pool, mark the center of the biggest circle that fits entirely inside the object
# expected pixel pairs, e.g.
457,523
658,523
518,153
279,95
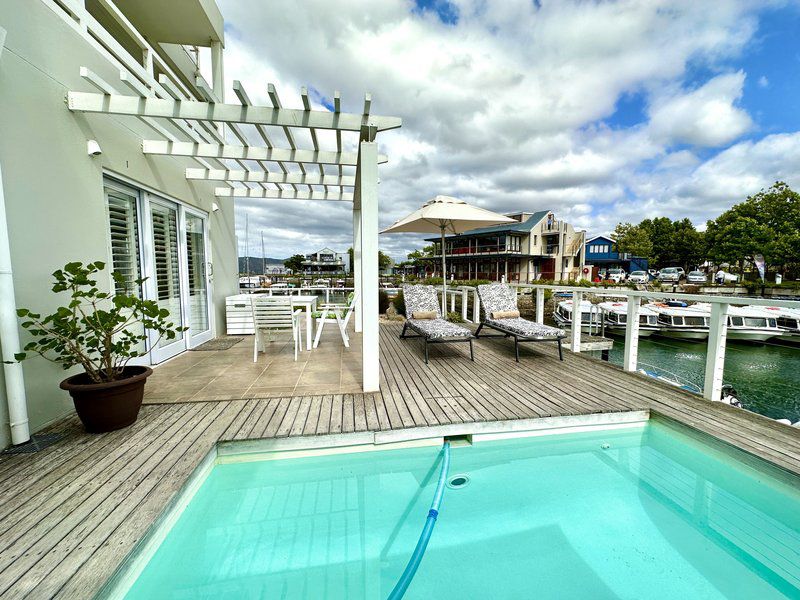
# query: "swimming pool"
650,511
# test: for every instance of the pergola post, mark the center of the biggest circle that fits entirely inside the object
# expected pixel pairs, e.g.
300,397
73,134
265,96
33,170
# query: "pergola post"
356,268
367,196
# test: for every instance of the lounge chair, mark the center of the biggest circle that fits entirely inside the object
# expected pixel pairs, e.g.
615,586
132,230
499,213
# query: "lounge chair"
499,311
424,317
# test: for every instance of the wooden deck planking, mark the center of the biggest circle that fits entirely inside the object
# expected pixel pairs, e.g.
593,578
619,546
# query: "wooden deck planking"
70,513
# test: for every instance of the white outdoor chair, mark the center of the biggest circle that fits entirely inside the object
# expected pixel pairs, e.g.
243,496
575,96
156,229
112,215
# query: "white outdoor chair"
342,314
275,314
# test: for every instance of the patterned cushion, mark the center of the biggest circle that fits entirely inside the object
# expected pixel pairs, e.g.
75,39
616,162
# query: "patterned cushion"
438,329
421,298
497,297
526,328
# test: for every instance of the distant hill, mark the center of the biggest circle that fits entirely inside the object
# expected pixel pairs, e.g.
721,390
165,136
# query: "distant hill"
256,265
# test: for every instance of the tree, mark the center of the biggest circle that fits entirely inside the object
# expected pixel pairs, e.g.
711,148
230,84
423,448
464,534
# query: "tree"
766,223
688,244
420,257
384,260
633,239
294,263
661,233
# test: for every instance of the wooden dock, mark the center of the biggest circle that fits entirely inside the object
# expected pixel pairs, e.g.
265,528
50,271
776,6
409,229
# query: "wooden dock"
70,514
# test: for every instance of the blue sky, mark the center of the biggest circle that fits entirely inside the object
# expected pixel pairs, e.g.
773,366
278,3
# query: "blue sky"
600,111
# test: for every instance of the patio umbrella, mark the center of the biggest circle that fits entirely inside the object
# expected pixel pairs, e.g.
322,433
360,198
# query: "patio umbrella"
443,215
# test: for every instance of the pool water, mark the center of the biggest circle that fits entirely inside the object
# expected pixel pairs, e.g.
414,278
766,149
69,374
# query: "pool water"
646,512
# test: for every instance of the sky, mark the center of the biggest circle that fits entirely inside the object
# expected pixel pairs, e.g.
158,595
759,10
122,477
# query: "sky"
600,111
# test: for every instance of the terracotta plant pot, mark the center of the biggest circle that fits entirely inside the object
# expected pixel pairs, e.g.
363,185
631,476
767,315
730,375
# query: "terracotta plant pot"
108,406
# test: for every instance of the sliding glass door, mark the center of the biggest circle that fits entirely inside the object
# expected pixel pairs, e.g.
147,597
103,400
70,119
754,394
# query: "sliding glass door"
166,243
197,289
164,275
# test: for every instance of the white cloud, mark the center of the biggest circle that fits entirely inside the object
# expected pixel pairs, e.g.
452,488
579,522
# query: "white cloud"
508,108
763,82
706,116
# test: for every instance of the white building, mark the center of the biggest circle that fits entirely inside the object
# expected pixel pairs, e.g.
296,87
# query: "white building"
114,148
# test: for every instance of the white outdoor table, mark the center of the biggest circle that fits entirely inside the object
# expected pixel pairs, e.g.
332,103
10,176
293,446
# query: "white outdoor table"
240,314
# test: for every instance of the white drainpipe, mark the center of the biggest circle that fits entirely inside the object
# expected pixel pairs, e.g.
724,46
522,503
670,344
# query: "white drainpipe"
9,337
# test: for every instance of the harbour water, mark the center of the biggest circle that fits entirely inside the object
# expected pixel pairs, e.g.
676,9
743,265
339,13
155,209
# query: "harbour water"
766,376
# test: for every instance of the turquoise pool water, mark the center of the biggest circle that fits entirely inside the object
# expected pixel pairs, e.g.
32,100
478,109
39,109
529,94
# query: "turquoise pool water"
650,512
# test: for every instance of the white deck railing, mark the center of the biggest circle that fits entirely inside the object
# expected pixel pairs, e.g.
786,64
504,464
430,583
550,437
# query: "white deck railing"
717,336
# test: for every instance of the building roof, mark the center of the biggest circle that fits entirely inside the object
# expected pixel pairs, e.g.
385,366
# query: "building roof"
521,227
600,237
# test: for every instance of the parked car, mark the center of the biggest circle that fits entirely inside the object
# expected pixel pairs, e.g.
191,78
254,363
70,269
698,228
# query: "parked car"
724,277
696,277
671,275
616,275
638,277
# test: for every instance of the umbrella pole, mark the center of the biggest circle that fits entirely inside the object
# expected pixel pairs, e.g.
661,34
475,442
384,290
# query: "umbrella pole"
444,279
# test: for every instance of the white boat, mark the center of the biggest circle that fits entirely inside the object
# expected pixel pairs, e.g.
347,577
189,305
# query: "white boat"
787,319
677,320
591,316
615,315
748,324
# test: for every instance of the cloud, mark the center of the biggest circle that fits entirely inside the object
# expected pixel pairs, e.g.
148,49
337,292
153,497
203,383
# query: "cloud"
706,116
508,104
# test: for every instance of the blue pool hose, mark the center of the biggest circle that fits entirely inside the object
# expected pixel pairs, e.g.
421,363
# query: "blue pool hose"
416,557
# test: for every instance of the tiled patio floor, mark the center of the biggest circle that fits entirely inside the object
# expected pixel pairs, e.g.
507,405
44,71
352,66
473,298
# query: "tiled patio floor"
201,376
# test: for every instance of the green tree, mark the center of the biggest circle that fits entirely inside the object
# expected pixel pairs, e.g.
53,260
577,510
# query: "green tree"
662,235
766,223
294,263
419,257
688,244
384,260
633,239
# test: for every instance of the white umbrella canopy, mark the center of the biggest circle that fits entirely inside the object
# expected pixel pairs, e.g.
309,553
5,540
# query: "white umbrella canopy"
443,215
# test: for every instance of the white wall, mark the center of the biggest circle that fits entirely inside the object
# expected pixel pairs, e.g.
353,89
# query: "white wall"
54,191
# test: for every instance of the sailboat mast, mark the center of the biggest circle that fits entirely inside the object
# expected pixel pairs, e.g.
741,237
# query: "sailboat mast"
263,256
247,243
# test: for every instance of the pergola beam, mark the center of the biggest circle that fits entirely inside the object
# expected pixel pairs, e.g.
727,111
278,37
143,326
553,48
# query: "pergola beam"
267,177
91,102
228,151
224,192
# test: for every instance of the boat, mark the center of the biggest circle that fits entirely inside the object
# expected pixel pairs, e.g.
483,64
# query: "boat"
615,318
591,316
787,319
748,324
680,321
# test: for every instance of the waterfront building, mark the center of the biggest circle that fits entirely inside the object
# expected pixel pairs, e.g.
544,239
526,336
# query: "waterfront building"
602,254
326,262
538,246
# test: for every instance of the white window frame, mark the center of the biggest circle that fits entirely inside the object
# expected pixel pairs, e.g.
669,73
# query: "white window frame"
145,196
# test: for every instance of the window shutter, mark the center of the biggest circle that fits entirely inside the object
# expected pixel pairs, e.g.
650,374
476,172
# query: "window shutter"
123,226
165,247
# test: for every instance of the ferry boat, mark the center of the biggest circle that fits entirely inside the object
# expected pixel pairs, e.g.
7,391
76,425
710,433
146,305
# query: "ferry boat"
788,321
615,316
678,320
748,324
591,316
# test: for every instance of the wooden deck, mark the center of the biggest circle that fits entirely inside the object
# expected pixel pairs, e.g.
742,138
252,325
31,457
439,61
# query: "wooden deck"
71,513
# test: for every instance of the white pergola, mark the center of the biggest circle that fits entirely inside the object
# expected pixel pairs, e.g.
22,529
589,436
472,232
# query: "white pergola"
196,129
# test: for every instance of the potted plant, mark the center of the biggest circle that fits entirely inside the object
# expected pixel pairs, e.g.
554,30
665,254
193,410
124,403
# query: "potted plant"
101,332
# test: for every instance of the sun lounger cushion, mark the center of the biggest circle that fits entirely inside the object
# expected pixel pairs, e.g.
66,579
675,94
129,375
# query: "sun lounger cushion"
438,328
497,297
421,298
525,328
